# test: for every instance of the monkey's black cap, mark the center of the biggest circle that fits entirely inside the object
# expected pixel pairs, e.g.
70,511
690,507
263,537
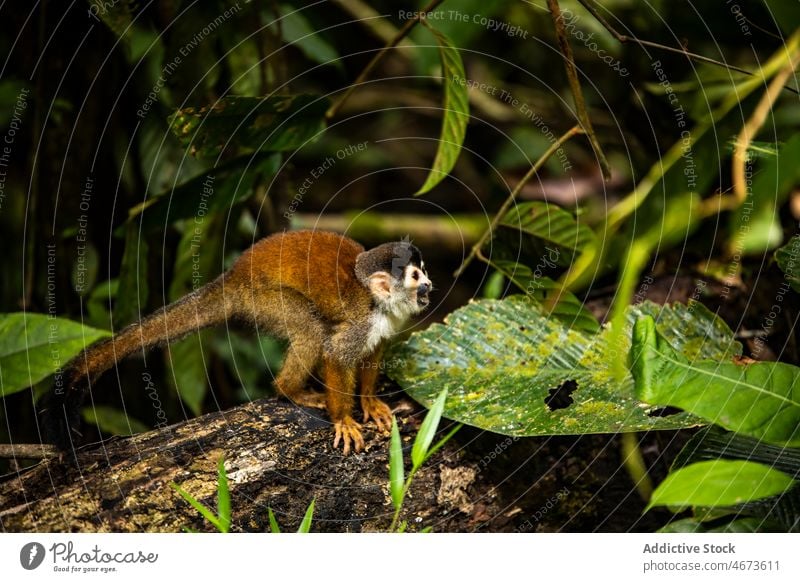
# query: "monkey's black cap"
392,257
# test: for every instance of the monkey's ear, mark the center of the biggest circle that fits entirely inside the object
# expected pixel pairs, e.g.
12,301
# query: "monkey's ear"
380,285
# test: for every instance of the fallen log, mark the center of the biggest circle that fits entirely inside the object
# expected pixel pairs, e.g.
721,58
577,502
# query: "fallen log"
276,455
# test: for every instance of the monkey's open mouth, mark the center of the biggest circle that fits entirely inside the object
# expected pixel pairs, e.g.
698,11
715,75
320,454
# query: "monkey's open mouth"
423,300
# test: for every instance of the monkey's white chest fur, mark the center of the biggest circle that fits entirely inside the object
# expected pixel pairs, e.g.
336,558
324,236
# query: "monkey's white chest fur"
384,325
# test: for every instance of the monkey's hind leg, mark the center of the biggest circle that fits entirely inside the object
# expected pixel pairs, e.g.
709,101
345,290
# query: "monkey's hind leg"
297,322
291,382
372,406
340,388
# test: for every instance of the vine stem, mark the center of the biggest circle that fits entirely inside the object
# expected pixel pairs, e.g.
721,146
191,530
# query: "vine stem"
575,85
750,129
406,487
401,34
556,145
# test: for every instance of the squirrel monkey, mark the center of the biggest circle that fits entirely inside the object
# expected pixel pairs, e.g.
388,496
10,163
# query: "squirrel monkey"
335,302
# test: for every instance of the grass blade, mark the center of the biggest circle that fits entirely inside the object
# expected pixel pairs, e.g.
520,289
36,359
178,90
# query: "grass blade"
427,431
223,497
273,523
305,525
202,509
396,470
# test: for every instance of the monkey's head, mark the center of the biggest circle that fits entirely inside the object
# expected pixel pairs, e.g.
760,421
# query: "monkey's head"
395,275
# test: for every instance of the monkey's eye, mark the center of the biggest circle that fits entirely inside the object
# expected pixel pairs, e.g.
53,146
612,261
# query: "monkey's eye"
415,275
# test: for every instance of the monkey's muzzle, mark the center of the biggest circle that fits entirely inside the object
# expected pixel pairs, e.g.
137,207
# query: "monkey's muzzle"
422,294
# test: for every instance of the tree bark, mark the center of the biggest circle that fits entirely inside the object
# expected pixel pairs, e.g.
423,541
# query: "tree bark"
276,455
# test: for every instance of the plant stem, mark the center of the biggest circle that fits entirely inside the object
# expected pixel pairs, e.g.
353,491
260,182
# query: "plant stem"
752,126
575,86
406,487
402,33
514,193
634,463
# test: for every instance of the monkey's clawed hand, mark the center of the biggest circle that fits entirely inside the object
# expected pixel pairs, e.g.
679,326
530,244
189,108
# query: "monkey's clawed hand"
347,431
376,409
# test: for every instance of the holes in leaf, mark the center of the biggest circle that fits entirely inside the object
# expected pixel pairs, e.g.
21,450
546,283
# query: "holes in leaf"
561,397
663,411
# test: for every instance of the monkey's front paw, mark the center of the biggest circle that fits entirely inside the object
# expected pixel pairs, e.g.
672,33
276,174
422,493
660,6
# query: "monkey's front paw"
377,410
347,431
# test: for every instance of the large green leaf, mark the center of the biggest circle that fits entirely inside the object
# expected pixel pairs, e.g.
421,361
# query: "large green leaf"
756,227
35,345
761,400
215,190
693,525
296,30
570,310
456,112
501,360
274,124
550,223
788,259
133,286
186,361
719,483
715,443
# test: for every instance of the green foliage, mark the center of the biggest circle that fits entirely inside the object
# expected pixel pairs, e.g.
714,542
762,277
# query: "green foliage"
503,361
133,287
569,310
455,109
693,525
273,522
396,469
781,513
760,400
222,519
718,482
34,345
270,124
214,191
734,473
421,451
296,30
755,227
187,361
549,223
427,430
305,525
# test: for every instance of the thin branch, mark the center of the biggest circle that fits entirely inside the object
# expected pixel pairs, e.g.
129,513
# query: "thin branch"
750,129
402,33
372,20
575,86
723,201
623,38
29,451
514,193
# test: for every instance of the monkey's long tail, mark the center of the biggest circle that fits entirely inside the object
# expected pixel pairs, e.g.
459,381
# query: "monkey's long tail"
60,411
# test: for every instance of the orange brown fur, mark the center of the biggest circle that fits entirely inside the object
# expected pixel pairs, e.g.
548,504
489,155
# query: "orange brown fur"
301,286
